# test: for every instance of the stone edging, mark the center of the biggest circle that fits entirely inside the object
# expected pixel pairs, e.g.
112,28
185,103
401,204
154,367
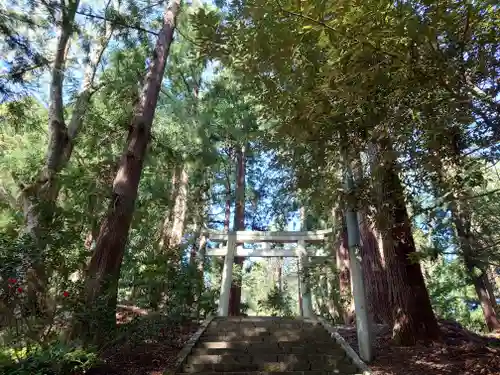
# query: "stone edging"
186,350
340,340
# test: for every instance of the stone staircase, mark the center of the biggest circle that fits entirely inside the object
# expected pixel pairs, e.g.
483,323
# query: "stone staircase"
266,345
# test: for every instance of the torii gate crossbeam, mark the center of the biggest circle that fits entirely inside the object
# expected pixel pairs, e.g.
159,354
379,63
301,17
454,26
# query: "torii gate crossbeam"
239,237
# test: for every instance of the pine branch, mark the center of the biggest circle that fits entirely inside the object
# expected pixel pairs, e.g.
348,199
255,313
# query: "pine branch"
115,22
486,193
24,70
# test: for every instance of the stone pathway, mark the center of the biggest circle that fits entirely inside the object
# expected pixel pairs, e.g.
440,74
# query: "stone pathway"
266,345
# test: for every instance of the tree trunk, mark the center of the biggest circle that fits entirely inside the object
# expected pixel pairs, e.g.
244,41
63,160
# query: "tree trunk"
198,247
180,209
494,278
343,266
475,271
39,198
168,222
239,224
227,219
280,274
101,285
172,232
374,271
485,298
462,218
412,314
490,286
201,203
173,228
375,274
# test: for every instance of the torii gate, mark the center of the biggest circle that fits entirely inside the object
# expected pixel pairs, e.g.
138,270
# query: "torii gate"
239,237
234,238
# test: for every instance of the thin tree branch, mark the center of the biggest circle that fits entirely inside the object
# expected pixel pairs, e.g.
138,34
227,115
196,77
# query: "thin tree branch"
23,71
188,39
481,195
152,5
117,23
164,91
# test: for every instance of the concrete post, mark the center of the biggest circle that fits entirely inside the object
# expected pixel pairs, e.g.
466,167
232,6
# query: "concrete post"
354,241
227,275
305,298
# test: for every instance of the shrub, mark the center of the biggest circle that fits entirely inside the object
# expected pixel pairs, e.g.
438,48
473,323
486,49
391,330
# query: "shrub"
56,359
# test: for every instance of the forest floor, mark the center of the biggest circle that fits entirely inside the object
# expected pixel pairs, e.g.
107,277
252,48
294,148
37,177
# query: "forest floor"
150,345
461,352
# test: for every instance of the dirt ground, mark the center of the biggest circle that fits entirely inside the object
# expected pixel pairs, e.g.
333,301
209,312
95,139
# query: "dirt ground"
150,346
461,353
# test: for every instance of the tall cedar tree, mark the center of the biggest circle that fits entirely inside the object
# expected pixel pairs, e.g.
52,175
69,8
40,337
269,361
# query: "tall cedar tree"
461,212
101,285
239,224
412,314
375,272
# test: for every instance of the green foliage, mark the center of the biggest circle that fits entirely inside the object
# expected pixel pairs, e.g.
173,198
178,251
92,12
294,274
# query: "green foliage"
173,289
56,359
322,276
277,302
451,295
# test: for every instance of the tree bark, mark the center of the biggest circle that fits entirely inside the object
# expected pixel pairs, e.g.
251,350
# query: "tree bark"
172,231
475,271
166,230
101,287
239,224
198,247
180,209
490,286
375,274
374,271
175,219
486,300
412,314
343,266
461,214
39,198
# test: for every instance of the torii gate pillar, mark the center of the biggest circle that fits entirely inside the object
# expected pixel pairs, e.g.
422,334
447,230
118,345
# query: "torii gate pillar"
305,292
227,275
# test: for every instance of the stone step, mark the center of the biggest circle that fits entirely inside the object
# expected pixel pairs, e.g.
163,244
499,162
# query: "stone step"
244,359
259,322
263,328
323,339
269,339
297,324
252,331
275,373
237,329
256,351
259,319
267,346
343,367
270,347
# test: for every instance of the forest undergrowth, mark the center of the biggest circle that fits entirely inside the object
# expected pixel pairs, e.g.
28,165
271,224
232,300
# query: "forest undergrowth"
459,352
